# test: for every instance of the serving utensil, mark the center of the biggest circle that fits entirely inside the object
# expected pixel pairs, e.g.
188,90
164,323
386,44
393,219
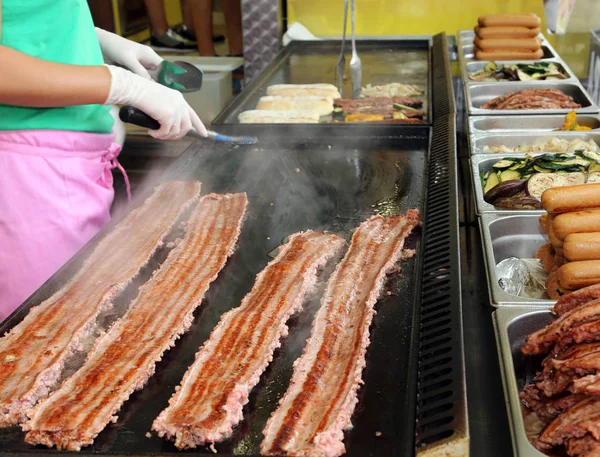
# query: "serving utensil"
355,63
340,67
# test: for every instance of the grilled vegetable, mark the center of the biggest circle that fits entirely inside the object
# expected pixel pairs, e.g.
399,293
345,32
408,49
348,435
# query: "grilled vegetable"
571,122
538,183
518,72
524,202
403,107
505,189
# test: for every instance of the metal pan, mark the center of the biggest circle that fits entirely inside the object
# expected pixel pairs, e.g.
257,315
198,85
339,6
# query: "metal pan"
512,326
476,65
481,125
510,235
477,143
478,94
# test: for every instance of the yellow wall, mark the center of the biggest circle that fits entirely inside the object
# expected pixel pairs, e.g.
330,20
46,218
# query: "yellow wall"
403,17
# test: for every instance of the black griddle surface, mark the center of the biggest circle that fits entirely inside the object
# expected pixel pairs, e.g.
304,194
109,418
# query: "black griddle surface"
291,186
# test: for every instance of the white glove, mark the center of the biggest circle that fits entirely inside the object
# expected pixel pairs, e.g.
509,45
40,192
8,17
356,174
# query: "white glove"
134,56
167,106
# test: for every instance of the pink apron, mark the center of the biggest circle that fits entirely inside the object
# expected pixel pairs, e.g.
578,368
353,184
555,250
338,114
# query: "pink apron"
55,194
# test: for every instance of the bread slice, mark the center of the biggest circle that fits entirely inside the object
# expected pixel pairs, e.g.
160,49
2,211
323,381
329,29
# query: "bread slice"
278,117
304,90
321,105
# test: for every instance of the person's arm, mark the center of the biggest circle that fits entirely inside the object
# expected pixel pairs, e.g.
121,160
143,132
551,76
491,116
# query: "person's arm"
29,81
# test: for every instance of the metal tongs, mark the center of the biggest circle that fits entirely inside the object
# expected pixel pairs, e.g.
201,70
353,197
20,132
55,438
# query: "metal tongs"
355,63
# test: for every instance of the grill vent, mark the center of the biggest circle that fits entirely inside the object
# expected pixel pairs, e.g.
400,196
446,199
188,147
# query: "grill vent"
443,97
440,393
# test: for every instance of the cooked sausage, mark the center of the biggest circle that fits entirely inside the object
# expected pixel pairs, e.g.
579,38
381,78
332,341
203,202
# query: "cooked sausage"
509,54
559,260
507,20
552,284
554,239
571,198
543,219
506,32
586,221
519,44
582,246
575,275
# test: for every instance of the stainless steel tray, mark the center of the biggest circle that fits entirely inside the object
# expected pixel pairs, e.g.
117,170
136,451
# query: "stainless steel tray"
478,94
475,65
477,143
512,325
506,234
481,125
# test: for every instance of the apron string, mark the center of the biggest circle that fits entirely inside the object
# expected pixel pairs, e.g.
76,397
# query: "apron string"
111,159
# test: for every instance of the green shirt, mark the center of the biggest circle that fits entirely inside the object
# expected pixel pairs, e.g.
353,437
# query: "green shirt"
60,31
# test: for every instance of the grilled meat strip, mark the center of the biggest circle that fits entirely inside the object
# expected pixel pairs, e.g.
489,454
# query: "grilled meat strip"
576,298
587,446
123,359
541,341
580,419
532,99
216,387
33,354
319,402
547,409
380,105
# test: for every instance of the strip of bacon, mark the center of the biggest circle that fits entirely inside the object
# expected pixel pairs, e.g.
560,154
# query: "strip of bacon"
124,358
216,387
33,353
318,404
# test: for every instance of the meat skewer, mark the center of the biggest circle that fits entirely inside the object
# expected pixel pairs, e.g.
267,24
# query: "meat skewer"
216,387
124,358
322,395
33,354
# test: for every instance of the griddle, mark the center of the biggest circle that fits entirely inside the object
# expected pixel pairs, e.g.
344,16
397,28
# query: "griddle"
413,395
406,60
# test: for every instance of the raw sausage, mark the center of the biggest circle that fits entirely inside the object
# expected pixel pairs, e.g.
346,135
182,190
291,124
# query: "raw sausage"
506,32
575,275
576,222
503,20
571,198
504,44
582,246
509,54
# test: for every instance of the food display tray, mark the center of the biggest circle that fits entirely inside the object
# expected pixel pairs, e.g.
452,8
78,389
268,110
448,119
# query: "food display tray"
414,391
510,235
477,143
398,59
512,326
483,125
476,65
478,94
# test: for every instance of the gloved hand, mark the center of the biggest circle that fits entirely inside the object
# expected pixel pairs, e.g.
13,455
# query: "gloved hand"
134,56
167,106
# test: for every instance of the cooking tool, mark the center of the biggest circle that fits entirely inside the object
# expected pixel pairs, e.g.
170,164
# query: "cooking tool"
507,235
340,67
355,63
512,326
478,94
178,75
134,116
309,62
480,125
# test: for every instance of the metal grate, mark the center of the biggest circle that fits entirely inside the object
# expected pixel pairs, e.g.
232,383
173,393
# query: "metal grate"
441,80
441,402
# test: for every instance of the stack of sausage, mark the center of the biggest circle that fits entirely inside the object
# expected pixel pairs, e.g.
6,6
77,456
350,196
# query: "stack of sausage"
508,37
572,257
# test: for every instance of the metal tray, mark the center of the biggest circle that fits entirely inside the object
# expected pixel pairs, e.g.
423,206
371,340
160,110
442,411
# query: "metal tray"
510,235
477,143
323,185
478,94
483,125
476,65
306,62
512,325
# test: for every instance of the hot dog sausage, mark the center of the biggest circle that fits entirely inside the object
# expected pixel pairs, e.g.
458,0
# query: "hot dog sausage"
491,44
571,198
557,242
506,32
575,275
546,255
576,222
582,246
543,220
503,20
509,54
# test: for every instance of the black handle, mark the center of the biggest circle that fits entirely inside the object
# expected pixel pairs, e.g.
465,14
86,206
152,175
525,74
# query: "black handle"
134,116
